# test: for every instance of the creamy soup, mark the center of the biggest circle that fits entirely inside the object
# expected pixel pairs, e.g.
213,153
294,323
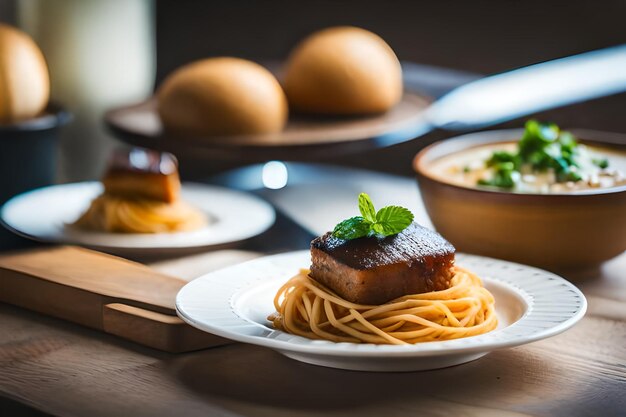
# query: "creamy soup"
469,167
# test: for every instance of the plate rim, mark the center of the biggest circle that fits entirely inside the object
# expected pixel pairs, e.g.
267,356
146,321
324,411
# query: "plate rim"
72,240
330,349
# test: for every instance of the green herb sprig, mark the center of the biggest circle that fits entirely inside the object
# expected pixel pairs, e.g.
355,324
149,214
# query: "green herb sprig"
543,146
387,221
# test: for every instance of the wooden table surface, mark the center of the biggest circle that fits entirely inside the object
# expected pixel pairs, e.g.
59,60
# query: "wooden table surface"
64,369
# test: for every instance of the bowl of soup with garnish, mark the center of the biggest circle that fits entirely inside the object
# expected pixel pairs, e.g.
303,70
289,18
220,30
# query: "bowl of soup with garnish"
540,195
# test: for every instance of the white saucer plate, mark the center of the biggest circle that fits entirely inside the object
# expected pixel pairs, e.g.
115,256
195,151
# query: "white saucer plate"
234,303
44,215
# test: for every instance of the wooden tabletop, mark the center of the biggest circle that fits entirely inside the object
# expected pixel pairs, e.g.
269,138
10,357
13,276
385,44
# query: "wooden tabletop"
64,369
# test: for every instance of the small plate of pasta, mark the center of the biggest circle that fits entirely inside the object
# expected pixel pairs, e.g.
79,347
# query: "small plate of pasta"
489,304
84,214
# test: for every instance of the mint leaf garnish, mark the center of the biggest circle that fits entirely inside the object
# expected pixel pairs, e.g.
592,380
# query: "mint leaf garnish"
366,207
352,228
392,220
387,221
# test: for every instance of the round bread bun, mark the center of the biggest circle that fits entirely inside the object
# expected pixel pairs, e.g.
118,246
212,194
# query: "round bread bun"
222,96
24,79
343,71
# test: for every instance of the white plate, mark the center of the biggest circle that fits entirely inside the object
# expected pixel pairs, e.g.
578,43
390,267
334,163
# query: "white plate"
234,302
44,213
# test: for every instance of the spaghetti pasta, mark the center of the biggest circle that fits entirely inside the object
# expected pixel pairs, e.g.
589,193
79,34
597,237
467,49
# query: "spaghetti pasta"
306,308
110,213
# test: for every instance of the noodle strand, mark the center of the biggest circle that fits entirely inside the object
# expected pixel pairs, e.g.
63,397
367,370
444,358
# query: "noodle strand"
306,308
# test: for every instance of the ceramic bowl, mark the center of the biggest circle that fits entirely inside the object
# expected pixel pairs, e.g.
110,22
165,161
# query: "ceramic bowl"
554,231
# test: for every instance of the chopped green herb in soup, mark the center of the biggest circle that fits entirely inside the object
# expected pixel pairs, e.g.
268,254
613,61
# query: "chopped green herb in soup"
544,160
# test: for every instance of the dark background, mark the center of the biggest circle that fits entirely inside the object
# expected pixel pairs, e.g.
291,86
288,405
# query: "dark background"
481,36
485,37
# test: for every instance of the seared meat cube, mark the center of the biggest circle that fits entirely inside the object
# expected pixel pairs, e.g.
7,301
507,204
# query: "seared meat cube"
143,173
374,270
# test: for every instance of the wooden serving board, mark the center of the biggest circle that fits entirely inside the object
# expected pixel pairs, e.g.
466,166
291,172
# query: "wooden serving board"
103,292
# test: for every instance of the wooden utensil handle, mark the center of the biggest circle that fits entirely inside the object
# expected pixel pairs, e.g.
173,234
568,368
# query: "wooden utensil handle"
156,330
100,291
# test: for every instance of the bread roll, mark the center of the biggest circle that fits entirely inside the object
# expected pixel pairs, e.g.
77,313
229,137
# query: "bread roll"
343,71
24,79
222,96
